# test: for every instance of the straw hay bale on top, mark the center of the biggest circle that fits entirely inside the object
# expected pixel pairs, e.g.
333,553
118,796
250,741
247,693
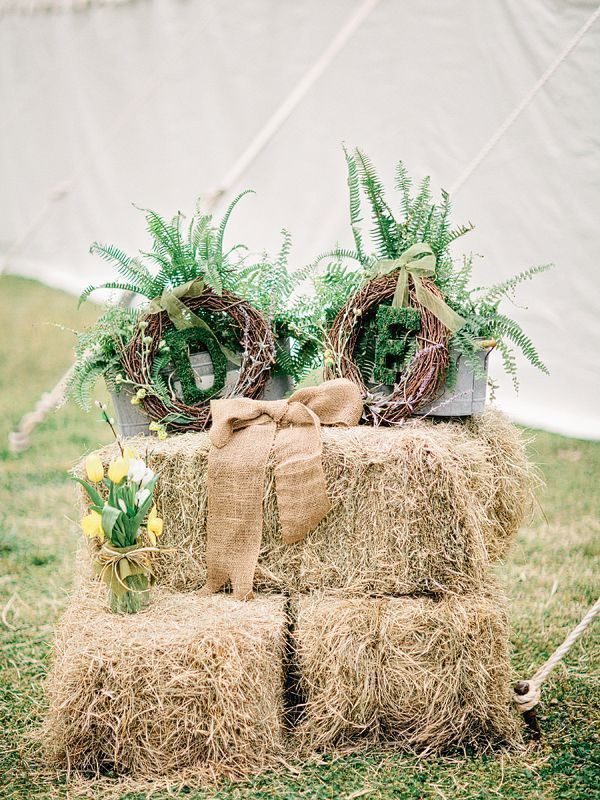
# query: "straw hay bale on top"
418,508
426,674
509,498
189,686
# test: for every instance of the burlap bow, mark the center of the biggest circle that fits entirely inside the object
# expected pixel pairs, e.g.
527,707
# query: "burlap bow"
242,435
418,261
183,317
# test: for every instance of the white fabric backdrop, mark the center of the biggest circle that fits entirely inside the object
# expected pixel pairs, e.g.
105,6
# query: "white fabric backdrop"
153,102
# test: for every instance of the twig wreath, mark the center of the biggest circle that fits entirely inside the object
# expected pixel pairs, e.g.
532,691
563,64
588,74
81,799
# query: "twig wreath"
257,347
424,375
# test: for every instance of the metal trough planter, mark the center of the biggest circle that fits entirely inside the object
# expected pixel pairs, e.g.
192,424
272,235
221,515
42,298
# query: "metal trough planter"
467,396
464,399
131,420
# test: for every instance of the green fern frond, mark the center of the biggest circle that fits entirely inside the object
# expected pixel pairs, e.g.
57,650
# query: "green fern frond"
338,254
82,381
124,287
509,363
384,220
404,185
495,293
507,327
198,227
354,199
223,225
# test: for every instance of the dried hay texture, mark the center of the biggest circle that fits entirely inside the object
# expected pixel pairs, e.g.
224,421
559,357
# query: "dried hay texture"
424,674
510,495
419,508
191,687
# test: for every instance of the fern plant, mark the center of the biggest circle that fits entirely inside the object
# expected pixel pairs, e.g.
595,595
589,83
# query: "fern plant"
296,318
180,252
98,353
421,219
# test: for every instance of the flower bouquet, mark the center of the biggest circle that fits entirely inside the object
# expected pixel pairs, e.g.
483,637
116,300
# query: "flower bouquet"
117,523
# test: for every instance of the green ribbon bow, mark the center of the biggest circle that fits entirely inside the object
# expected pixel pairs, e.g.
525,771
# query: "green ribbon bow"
183,317
418,262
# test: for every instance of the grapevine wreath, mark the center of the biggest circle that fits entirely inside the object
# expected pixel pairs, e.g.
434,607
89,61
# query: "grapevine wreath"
423,377
256,343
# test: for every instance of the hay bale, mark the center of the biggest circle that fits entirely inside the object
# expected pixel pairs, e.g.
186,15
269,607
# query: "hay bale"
191,686
509,498
425,674
419,508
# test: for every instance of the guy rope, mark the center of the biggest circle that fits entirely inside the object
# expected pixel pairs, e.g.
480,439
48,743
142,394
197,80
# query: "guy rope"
527,694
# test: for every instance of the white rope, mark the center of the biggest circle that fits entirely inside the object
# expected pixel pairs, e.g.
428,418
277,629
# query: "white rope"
531,697
518,110
18,439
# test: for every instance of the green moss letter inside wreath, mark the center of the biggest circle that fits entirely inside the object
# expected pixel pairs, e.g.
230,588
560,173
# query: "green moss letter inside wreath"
394,328
179,342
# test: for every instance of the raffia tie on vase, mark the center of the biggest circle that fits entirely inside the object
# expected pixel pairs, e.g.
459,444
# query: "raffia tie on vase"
114,565
243,434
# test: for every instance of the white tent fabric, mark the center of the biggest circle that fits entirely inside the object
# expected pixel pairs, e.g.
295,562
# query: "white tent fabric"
154,103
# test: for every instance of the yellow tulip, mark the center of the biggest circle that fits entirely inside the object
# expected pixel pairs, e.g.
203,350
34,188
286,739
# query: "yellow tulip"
94,468
129,452
118,469
92,525
155,524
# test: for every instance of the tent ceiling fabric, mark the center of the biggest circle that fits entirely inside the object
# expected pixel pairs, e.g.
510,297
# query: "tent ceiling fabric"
153,102
46,6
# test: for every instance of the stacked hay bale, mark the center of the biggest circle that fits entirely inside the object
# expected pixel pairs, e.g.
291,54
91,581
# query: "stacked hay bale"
421,508
423,672
194,685
395,630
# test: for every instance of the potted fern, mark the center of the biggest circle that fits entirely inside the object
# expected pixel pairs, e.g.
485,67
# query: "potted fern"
183,261
412,248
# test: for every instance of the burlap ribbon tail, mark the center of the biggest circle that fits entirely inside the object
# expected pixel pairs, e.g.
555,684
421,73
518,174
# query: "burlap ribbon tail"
243,434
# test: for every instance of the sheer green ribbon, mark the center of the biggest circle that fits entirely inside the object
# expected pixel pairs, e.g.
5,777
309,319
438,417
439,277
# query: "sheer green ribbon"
183,317
418,261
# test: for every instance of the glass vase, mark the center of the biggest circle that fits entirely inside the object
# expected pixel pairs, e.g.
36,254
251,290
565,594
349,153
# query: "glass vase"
134,599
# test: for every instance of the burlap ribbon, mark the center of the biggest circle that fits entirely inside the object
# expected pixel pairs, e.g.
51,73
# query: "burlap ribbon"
418,261
243,433
183,317
114,564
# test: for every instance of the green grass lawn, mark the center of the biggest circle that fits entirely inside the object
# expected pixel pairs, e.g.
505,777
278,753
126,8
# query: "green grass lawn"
550,577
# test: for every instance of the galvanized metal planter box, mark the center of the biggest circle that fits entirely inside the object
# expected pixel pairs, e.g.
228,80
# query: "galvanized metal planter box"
464,399
467,396
131,420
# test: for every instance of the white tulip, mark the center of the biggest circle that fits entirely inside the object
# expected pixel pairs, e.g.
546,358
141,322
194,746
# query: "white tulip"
137,469
141,496
148,475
